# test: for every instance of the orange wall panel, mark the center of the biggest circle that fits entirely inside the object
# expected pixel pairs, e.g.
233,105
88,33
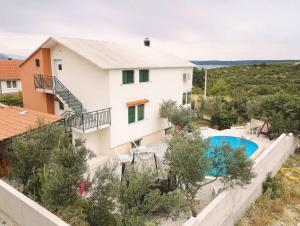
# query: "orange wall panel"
33,99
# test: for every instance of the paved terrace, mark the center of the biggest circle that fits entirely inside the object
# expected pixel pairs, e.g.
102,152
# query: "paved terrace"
159,147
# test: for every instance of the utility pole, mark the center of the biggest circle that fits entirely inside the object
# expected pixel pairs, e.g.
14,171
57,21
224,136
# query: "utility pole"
205,83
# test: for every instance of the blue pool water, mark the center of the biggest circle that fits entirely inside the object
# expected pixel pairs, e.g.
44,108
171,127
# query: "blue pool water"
235,142
249,146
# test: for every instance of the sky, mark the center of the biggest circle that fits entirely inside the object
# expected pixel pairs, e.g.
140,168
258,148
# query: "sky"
192,29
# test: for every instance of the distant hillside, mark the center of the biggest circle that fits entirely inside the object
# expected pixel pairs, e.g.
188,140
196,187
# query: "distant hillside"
13,56
3,56
238,62
255,80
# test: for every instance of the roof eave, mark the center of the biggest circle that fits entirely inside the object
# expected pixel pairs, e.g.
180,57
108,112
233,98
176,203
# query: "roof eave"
34,52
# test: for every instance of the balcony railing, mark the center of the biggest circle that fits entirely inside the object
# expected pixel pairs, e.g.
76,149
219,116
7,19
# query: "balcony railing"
87,120
43,82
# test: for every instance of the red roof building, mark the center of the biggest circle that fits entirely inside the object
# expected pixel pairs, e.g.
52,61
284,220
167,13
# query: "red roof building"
10,76
15,120
9,69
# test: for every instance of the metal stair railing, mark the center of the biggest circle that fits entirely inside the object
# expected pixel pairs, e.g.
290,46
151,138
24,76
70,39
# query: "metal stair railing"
77,118
52,83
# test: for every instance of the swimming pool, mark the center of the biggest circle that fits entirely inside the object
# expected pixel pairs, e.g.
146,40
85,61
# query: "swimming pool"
235,142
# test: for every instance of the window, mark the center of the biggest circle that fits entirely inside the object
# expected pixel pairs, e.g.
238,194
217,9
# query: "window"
131,114
183,98
8,84
61,105
141,112
144,75
136,113
37,62
128,76
189,97
59,67
186,98
14,84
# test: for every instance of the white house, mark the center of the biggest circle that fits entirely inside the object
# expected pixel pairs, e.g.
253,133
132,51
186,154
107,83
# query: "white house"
10,82
110,93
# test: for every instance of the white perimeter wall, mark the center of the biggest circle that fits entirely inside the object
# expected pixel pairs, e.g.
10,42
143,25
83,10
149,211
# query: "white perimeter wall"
229,206
17,209
164,84
4,89
86,81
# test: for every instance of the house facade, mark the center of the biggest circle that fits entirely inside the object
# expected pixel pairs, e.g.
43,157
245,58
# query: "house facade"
10,82
109,93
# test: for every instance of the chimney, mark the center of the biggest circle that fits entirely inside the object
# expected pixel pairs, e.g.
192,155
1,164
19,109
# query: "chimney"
147,42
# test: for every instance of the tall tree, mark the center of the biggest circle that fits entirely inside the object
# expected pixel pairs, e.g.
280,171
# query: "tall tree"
282,111
32,152
198,77
220,88
64,173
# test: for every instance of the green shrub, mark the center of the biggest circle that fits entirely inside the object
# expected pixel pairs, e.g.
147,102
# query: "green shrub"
223,119
75,214
273,186
12,100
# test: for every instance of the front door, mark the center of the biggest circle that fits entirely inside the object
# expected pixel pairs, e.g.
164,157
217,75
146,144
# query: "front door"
57,67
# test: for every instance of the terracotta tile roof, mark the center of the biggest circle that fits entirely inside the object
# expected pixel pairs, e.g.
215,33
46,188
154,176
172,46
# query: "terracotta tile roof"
137,102
16,120
10,69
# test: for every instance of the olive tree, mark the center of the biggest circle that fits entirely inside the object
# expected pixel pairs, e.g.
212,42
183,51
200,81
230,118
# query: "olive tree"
63,175
103,200
48,165
178,116
32,152
132,201
140,198
191,158
282,111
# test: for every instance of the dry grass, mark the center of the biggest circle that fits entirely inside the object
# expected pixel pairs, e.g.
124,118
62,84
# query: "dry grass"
281,211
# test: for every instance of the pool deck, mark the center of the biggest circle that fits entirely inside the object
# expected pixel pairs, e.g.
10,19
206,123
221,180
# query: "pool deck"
160,146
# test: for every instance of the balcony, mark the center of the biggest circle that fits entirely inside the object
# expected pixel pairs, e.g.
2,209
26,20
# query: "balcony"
87,121
44,83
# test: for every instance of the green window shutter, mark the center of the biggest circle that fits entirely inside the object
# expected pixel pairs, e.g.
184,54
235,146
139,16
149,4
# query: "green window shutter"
131,114
141,109
144,75
183,98
189,97
127,76
124,77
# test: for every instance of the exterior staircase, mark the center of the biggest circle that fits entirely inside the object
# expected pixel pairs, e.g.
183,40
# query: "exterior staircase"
77,117
51,84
